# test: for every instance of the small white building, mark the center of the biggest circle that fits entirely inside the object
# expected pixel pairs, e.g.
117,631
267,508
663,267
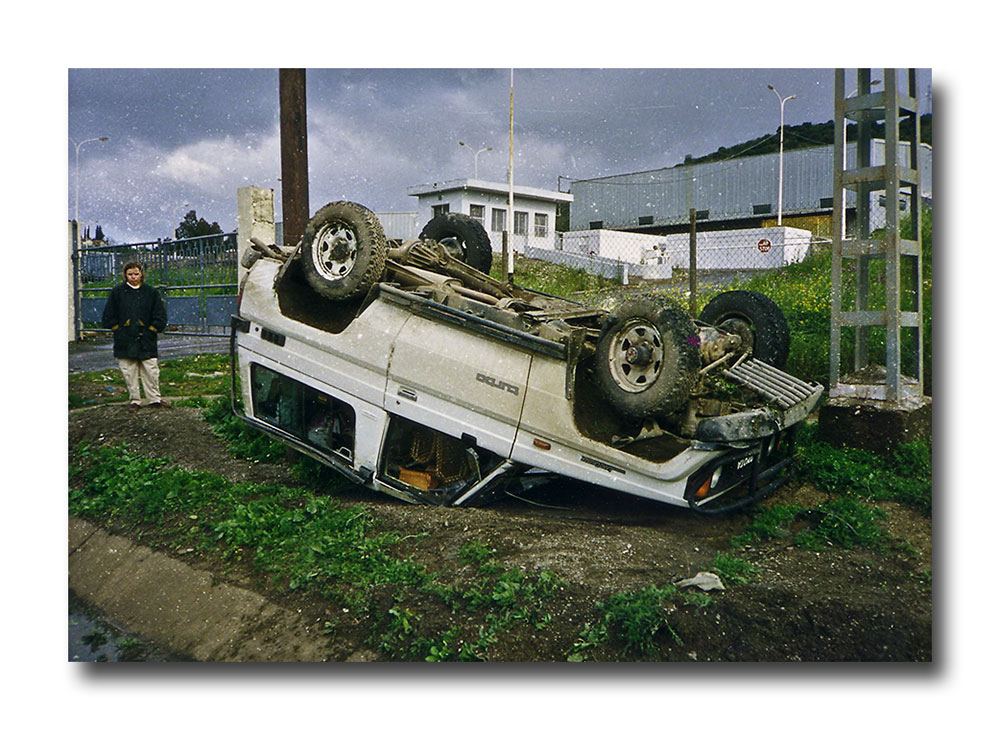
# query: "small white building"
534,209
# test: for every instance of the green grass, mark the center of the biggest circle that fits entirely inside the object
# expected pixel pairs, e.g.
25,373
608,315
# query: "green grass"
296,536
552,279
903,476
842,522
802,291
632,619
491,604
300,540
856,481
202,375
242,441
733,571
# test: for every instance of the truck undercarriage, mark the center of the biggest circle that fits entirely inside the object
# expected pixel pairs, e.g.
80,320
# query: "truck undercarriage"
405,368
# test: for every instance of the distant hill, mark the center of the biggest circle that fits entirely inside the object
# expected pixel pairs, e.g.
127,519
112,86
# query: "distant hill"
805,135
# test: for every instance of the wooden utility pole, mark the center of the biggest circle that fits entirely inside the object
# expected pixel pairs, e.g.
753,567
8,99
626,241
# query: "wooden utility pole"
294,153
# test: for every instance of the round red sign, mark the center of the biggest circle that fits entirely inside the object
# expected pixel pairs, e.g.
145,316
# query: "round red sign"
764,245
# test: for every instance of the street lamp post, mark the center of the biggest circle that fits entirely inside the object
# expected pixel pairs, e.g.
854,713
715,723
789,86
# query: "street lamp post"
475,160
76,173
781,149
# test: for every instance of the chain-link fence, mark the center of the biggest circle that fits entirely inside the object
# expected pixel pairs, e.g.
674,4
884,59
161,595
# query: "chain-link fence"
196,275
719,257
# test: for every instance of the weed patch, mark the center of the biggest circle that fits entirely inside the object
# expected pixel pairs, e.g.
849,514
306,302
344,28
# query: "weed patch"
632,619
301,539
309,542
843,522
479,554
491,604
553,279
242,441
195,376
903,477
733,571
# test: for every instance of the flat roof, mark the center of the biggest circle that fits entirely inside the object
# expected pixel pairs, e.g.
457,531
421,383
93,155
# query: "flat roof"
520,191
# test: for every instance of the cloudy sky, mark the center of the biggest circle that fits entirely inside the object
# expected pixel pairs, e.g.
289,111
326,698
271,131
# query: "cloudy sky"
194,136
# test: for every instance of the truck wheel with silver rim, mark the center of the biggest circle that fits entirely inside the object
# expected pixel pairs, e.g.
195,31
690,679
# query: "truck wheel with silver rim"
343,250
647,357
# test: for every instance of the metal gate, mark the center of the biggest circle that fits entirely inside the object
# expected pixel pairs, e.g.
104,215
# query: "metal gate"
197,277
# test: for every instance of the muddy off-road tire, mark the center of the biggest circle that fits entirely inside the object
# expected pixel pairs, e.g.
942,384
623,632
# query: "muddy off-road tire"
647,357
472,239
756,318
343,250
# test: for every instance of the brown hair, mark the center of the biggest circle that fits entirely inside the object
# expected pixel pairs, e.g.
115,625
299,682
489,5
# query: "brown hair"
133,265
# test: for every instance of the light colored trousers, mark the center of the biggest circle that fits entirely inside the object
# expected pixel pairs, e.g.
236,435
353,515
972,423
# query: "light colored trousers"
145,371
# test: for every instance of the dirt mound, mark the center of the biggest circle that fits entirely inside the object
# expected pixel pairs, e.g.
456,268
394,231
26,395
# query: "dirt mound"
834,605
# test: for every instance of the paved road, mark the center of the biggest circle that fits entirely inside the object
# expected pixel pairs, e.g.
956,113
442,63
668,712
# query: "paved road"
95,354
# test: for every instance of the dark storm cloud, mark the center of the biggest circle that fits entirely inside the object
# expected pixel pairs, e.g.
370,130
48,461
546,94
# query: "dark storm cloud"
169,107
193,136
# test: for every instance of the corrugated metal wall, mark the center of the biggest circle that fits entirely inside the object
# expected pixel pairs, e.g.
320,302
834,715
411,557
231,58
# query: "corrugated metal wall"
400,225
727,190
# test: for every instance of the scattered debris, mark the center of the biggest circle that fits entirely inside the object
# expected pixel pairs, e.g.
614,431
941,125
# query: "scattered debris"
704,580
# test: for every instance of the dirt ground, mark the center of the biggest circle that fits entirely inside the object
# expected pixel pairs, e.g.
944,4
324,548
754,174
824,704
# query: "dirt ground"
834,605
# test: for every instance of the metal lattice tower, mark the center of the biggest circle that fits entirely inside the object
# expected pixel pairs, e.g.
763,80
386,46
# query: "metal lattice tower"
895,179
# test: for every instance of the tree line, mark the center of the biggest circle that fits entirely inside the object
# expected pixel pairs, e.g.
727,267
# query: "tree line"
807,134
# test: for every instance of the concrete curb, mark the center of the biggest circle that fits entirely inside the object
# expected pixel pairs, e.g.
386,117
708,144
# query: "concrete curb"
182,608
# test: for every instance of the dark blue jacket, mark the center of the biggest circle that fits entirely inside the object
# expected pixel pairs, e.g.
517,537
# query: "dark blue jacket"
135,316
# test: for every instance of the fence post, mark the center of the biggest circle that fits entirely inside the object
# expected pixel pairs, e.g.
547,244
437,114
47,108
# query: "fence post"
202,296
74,282
692,266
505,253
622,272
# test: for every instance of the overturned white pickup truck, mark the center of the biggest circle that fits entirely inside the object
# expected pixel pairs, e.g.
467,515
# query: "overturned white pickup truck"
405,367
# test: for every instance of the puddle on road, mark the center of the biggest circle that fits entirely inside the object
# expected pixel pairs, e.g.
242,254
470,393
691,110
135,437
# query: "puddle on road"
92,638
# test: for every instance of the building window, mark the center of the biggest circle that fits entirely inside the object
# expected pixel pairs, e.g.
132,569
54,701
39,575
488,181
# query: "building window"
762,209
541,225
826,202
645,220
701,215
499,220
520,223
478,212
440,209
596,225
